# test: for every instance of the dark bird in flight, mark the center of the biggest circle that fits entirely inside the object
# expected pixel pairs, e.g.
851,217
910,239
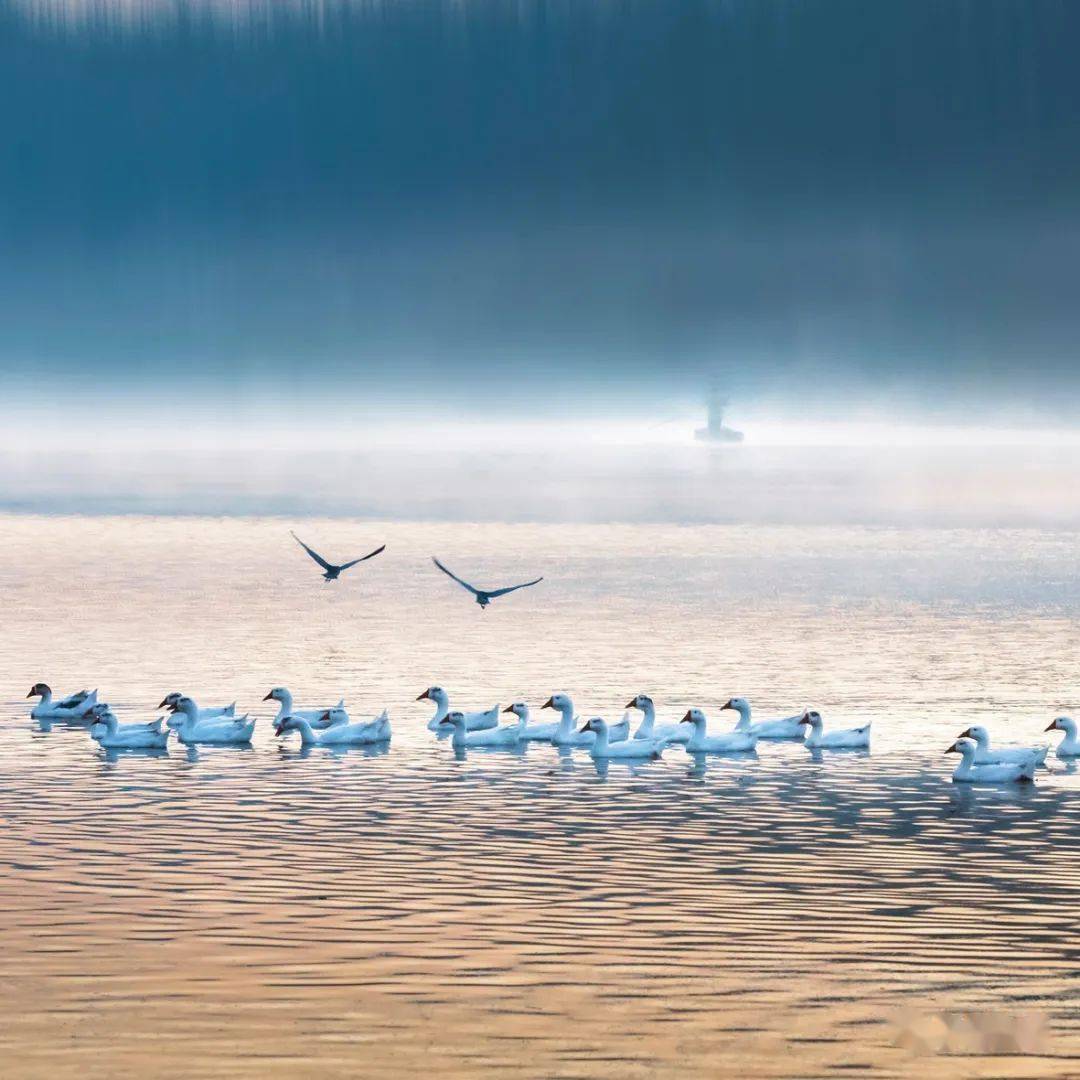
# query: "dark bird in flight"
483,596
332,571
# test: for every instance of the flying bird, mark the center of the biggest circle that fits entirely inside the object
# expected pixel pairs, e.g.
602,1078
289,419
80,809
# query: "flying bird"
483,596
332,571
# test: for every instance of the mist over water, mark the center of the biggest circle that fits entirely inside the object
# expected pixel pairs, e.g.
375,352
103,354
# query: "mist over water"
588,470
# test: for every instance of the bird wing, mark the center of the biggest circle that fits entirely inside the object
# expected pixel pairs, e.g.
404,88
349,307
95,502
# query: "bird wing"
513,588
371,555
314,554
450,573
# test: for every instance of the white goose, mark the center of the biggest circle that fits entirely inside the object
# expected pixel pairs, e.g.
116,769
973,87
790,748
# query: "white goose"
647,729
628,749
532,732
358,734
833,740
788,728
1070,745
511,735
967,772
565,734
72,707
984,755
192,731
219,712
327,716
474,721
109,733
732,742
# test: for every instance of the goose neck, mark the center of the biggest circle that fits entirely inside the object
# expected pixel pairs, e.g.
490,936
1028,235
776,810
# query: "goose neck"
307,734
648,718
442,707
566,717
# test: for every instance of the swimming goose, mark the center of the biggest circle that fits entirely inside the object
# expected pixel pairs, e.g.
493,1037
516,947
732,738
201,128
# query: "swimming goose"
332,571
985,756
647,729
463,739
603,747
109,733
833,740
532,732
220,712
100,715
967,772
474,721
484,596
192,731
788,728
565,735
327,716
1070,745
74,706
358,734
732,742
377,730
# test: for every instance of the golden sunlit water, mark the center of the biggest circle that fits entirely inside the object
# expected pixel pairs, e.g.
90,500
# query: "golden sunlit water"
267,912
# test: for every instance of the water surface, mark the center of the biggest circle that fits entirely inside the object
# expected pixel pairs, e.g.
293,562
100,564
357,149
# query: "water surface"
269,912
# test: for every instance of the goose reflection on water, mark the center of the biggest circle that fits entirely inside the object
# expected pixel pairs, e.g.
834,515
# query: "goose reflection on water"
356,750
514,750
114,754
207,751
626,766
701,761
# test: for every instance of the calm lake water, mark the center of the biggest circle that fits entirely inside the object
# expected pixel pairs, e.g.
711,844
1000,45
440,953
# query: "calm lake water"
267,912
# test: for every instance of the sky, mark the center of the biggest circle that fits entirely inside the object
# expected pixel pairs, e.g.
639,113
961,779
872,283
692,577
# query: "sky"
823,205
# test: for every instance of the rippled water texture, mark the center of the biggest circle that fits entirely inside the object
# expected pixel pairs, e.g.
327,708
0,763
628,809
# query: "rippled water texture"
264,912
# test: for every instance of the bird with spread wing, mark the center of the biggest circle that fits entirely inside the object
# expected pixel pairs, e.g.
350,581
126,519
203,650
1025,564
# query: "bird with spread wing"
332,572
483,596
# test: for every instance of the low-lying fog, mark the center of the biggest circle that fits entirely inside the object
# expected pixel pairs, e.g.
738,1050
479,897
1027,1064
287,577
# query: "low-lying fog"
491,467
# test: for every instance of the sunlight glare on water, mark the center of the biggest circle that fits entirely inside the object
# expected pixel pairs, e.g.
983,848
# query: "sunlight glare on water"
265,911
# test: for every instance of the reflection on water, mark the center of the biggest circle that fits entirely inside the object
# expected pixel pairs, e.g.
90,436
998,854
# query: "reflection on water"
281,911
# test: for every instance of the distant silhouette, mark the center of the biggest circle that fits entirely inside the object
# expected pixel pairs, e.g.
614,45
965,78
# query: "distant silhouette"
716,431
483,596
332,571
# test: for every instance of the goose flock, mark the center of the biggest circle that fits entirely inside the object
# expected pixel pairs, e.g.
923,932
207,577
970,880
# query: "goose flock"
330,725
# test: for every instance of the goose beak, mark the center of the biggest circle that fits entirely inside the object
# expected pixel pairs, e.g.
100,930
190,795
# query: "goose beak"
632,704
687,719
587,726
31,694
727,705
269,697
965,734
1052,727
278,729
804,719
425,696
549,704
509,708
952,749
163,705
